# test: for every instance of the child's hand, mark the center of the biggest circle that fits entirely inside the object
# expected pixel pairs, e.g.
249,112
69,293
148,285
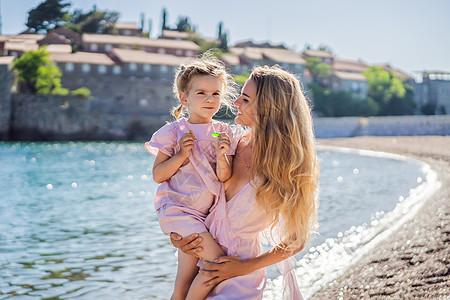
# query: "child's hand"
186,144
223,144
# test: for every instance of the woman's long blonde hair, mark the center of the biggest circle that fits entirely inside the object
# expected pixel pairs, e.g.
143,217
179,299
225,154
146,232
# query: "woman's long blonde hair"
203,65
284,151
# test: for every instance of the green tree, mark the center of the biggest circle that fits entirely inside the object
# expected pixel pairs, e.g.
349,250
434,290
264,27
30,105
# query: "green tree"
393,96
47,15
219,35
49,80
402,105
328,103
94,21
38,73
319,70
241,79
164,19
27,66
183,24
223,45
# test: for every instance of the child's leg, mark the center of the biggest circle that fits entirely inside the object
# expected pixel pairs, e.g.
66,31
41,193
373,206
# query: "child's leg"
187,270
211,251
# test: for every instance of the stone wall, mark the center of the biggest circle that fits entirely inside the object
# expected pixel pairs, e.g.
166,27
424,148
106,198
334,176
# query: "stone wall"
382,126
133,108
5,100
45,118
121,109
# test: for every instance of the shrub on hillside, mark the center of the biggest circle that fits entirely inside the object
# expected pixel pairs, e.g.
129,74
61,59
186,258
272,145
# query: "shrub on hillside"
81,92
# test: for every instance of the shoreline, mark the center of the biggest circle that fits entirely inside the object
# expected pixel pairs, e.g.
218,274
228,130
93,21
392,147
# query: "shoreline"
414,261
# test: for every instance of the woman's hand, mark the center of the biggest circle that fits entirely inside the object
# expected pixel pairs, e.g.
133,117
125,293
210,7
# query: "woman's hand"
223,268
188,245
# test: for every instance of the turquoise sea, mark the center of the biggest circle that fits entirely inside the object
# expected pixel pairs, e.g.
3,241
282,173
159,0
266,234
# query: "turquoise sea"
77,219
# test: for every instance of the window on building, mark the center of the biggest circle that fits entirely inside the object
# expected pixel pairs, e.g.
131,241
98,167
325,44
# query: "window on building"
93,47
86,68
355,87
108,47
189,53
101,69
69,67
117,70
162,51
132,67
164,69
179,52
147,67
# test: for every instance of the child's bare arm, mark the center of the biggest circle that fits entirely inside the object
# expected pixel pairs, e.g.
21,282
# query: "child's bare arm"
224,162
166,166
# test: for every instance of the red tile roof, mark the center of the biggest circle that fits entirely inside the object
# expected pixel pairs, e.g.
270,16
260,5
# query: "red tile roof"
82,58
26,36
6,60
59,48
21,45
126,25
142,57
273,54
350,76
283,56
139,41
317,53
399,73
353,66
230,59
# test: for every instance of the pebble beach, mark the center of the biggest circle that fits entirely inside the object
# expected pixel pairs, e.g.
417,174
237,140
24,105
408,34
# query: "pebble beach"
414,261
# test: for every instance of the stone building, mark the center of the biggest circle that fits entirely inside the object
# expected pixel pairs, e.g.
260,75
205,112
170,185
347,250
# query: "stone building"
324,56
5,95
144,64
244,59
85,63
435,91
128,29
105,43
347,76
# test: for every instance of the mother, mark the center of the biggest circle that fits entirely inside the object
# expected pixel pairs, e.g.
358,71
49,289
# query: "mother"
273,186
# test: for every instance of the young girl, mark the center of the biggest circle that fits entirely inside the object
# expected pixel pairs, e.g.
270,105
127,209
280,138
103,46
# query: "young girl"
192,160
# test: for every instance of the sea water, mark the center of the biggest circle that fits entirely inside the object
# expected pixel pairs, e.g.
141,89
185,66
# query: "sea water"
77,219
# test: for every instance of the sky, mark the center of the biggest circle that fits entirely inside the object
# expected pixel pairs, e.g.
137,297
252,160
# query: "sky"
410,35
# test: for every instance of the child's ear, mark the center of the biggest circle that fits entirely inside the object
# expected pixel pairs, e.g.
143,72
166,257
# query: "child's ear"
183,99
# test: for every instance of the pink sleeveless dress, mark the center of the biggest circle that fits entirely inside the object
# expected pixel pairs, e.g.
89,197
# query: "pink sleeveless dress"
237,226
183,202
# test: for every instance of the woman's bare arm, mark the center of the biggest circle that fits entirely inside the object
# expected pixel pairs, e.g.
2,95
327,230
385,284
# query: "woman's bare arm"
226,267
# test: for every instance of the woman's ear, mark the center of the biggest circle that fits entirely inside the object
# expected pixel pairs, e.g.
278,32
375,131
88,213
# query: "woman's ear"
183,99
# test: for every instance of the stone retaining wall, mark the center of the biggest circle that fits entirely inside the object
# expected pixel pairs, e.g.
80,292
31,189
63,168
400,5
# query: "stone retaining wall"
72,118
5,100
133,108
382,126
